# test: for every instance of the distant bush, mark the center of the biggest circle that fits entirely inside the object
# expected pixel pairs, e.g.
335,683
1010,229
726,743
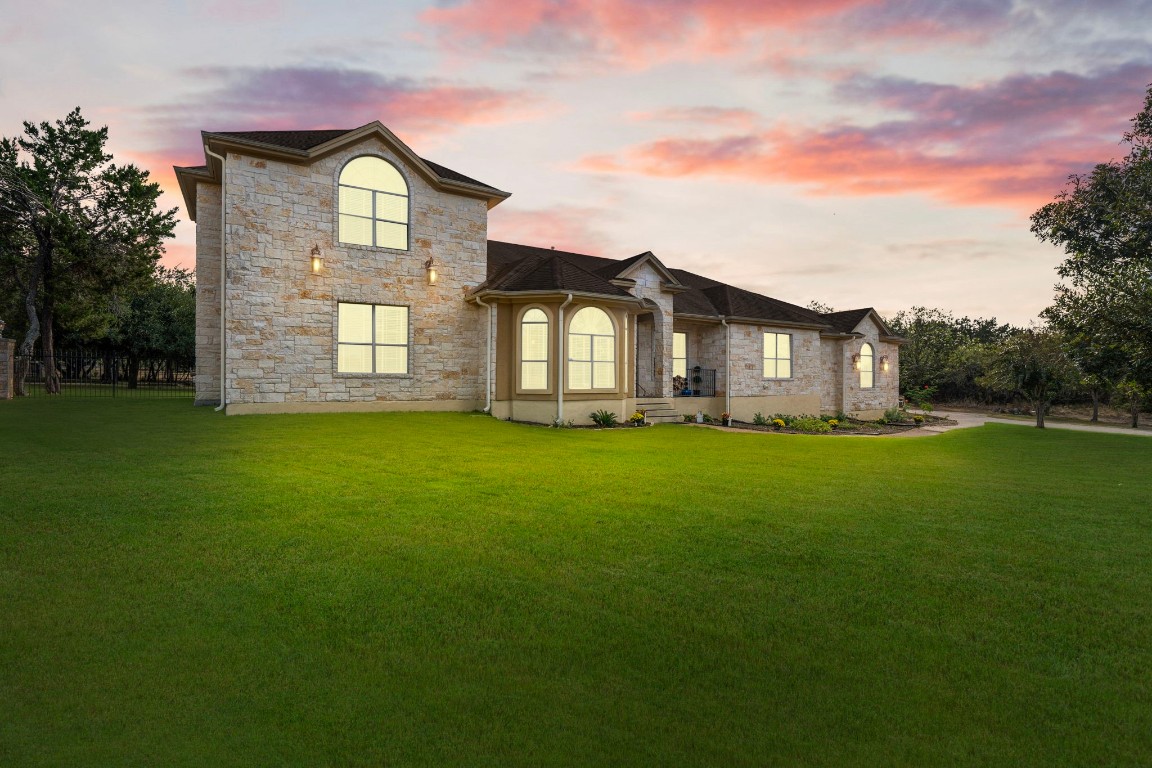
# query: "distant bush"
810,424
894,414
760,419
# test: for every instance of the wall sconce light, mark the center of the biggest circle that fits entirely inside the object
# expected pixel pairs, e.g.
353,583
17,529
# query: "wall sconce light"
432,275
317,260
856,362
884,363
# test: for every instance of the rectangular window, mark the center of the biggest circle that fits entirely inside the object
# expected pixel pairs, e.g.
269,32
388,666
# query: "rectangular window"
680,354
777,355
371,338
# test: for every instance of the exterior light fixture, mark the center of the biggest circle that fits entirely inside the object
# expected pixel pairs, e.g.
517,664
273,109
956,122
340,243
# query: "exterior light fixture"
884,363
431,267
856,362
317,260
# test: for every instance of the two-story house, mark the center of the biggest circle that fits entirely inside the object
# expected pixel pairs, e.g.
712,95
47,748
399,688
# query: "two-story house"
337,270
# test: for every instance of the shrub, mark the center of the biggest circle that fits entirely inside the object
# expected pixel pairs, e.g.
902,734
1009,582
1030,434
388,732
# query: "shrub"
894,414
637,418
810,424
832,423
779,423
783,417
759,419
689,418
603,418
918,419
708,419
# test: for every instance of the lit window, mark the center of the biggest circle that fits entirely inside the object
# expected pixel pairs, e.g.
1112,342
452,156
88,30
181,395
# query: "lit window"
534,350
680,354
591,350
372,339
867,372
777,355
373,204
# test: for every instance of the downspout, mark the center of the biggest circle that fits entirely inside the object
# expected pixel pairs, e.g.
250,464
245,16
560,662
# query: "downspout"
727,366
223,275
488,390
560,362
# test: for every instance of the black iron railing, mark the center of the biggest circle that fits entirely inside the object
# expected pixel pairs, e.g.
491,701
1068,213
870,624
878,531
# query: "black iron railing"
700,382
85,373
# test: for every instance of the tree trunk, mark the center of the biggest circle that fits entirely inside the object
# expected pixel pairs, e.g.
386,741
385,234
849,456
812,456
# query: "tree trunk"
1095,404
1040,408
1135,412
48,346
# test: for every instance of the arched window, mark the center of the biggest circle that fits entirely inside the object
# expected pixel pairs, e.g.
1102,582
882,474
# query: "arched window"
373,204
534,350
591,350
867,371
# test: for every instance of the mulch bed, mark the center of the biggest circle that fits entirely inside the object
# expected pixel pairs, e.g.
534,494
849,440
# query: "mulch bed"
848,427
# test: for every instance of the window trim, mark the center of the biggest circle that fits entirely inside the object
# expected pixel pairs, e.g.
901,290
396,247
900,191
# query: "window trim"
407,373
568,353
519,360
764,357
871,370
408,197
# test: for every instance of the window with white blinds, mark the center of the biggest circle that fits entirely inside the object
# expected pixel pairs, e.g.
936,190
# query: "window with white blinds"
373,204
534,350
372,338
591,350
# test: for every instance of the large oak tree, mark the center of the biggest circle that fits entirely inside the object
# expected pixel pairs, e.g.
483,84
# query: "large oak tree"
75,228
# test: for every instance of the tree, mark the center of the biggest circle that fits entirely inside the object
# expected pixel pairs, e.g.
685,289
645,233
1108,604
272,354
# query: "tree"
1104,222
818,306
74,228
943,352
158,323
1031,363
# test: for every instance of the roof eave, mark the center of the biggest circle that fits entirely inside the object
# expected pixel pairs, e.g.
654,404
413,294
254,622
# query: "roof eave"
482,293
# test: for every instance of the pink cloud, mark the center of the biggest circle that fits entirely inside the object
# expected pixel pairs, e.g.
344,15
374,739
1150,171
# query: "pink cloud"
641,32
304,98
1009,143
711,116
565,227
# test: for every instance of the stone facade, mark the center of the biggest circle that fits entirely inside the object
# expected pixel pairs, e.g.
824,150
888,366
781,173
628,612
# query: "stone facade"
7,359
281,319
276,318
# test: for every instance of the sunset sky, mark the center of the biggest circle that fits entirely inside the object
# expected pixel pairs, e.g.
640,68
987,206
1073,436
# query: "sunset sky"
880,153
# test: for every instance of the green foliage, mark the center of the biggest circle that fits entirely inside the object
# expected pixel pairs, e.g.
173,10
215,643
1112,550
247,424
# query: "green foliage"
944,352
637,418
810,424
603,418
1103,220
895,414
1032,364
77,232
918,419
759,419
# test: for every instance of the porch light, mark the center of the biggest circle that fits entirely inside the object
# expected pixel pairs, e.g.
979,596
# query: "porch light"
431,267
856,362
884,363
317,260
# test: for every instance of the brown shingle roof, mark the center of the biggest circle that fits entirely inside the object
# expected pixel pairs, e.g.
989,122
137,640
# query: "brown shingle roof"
846,321
306,140
513,267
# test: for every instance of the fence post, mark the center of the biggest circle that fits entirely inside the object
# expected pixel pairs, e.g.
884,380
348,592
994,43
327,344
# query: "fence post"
7,357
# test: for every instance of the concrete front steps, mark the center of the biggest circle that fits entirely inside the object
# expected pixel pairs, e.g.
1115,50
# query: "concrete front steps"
659,411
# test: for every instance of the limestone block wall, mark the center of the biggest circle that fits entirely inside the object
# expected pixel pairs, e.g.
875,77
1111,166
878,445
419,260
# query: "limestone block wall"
871,402
833,358
648,286
705,343
282,319
207,376
748,363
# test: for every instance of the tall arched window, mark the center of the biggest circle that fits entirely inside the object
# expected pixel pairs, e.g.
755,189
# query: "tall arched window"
591,350
534,350
867,371
373,204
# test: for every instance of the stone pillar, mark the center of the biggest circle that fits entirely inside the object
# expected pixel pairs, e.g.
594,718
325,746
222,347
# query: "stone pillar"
7,358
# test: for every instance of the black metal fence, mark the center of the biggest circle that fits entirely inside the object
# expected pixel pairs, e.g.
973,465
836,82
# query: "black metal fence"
700,382
85,373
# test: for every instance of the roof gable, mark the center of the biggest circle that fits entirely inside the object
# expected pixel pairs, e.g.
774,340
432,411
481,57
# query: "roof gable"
309,146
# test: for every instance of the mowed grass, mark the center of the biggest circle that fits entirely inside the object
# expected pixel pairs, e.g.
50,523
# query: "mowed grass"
181,588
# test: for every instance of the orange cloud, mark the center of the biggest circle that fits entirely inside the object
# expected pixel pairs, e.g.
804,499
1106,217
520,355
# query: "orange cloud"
1010,143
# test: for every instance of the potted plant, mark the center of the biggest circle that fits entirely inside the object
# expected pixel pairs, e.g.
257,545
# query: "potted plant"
696,379
639,418
726,419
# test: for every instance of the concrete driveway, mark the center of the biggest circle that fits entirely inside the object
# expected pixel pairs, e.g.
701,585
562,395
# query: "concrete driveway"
965,420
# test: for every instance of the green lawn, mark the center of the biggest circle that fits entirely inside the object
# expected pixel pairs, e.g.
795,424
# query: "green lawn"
180,588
